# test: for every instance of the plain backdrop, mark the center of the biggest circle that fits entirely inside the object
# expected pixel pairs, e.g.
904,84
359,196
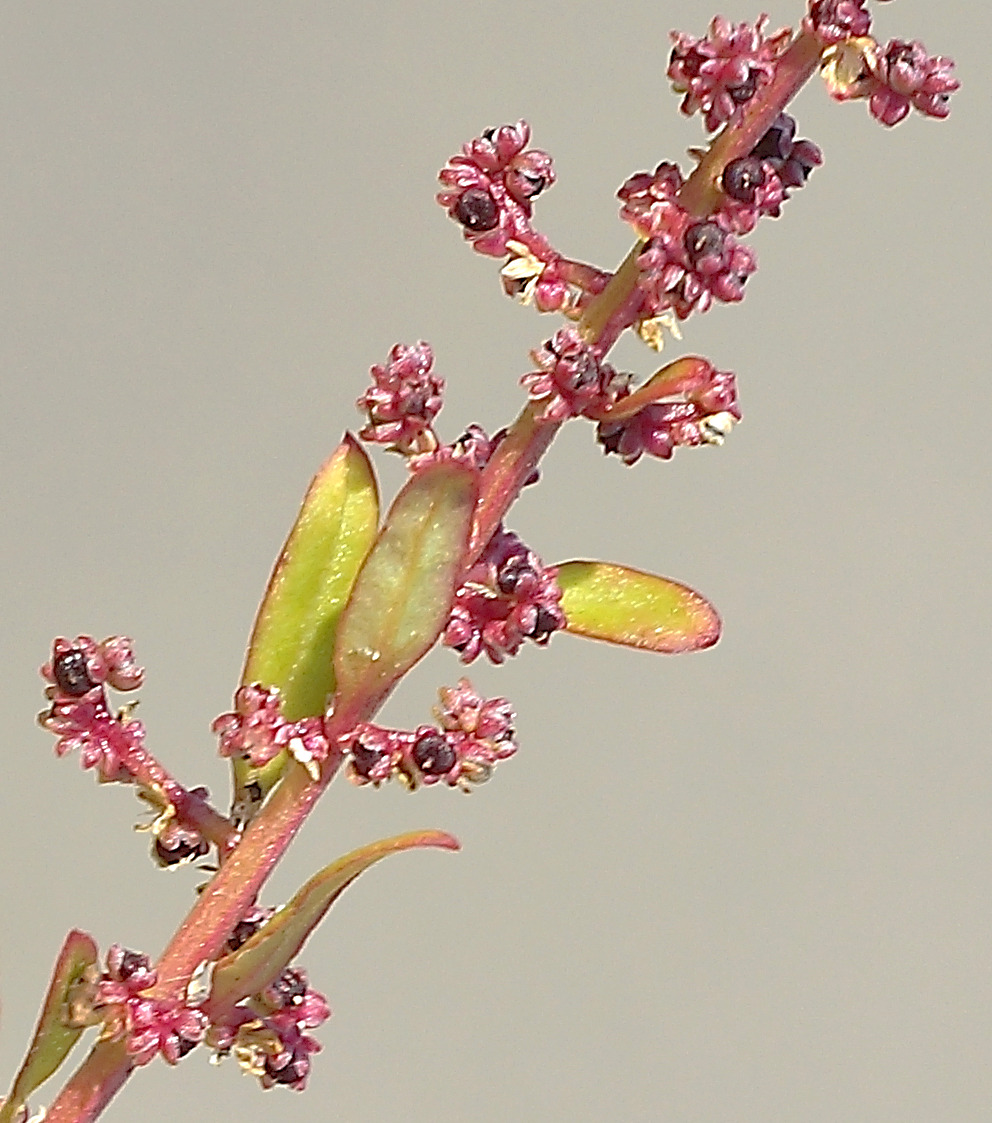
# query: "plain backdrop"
745,886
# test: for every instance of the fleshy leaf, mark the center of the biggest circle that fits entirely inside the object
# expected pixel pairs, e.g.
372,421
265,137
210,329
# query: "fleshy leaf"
292,643
262,959
621,605
403,593
53,1039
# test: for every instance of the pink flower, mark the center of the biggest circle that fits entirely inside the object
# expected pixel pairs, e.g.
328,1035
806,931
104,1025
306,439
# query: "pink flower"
571,380
835,20
723,70
648,197
704,415
689,264
507,596
404,398
490,188
906,76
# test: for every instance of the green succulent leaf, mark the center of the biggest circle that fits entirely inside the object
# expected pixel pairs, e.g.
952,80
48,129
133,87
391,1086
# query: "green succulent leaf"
621,605
403,593
292,643
263,958
53,1039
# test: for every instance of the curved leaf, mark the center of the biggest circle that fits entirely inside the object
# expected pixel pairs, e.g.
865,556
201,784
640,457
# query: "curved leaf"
626,606
263,958
403,593
292,643
53,1039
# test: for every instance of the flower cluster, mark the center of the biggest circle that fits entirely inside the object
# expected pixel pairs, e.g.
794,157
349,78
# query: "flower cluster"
723,70
403,400
509,595
894,79
490,188
905,76
257,731
80,715
269,1038
688,262
756,185
148,1026
474,734
571,380
833,21
706,410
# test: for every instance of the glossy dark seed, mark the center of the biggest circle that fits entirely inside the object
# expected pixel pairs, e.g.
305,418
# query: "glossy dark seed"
71,674
433,755
364,759
476,210
742,178
703,239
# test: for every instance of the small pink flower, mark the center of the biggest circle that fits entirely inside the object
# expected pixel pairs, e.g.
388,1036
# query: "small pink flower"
404,398
906,76
507,596
571,380
148,1026
372,752
835,20
723,70
648,197
255,728
490,188
104,741
689,265
473,447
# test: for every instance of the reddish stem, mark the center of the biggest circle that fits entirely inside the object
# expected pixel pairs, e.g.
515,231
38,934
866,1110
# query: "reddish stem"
93,1085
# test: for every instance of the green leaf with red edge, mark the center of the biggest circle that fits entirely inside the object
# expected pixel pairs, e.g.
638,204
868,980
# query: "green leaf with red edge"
53,1039
263,958
402,596
626,606
292,643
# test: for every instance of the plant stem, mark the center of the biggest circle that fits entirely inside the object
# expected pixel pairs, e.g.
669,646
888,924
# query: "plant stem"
93,1085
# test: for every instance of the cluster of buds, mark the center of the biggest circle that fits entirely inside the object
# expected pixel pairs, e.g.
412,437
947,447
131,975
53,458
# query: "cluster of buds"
268,1037
721,71
893,79
80,715
687,263
148,1026
111,742
266,1033
507,596
490,188
403,400
473,734
571,380
256,731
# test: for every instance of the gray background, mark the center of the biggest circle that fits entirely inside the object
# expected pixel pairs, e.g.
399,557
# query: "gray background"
748,885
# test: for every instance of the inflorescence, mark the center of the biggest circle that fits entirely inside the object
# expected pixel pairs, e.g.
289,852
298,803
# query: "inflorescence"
688,255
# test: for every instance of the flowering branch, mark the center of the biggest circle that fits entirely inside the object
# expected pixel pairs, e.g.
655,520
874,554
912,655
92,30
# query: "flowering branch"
354,602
